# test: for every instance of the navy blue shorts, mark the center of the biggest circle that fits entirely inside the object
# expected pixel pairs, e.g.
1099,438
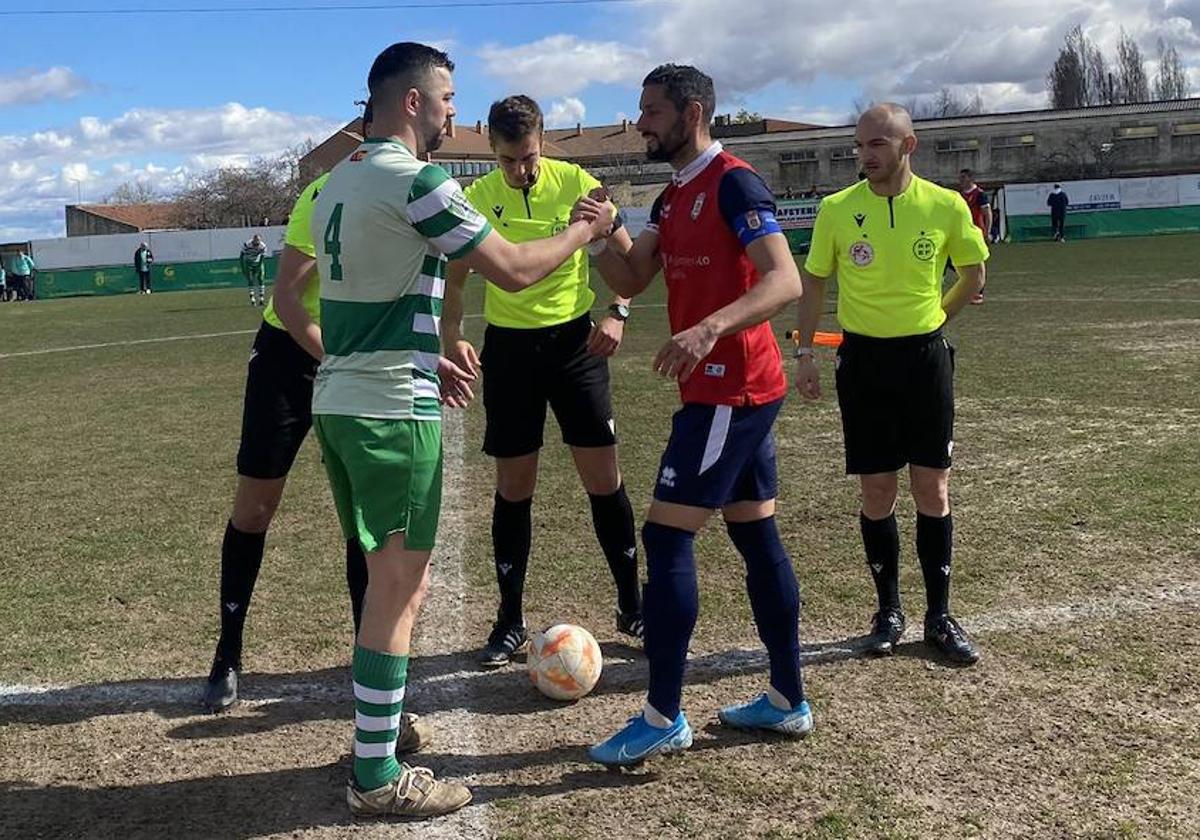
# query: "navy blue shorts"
719,454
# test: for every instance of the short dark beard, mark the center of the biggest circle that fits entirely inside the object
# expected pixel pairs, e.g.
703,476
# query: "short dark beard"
669,146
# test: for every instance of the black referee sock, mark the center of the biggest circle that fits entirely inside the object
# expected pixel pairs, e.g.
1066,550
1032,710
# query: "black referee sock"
356,580
612,517
881,540
512,533
241,558
935,539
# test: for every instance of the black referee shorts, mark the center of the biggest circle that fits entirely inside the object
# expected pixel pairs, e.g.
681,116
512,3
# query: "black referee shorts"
897,401
526,370
277,412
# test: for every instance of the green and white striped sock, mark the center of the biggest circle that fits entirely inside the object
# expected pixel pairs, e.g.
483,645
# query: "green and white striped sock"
378,700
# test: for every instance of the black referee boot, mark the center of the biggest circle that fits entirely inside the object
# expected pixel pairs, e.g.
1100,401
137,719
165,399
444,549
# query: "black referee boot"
504,641
221,692
887,628
944,634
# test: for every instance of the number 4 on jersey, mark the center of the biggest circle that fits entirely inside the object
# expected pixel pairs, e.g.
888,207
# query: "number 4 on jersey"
333,244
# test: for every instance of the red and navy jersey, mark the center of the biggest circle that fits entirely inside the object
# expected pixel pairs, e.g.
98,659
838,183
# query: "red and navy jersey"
977,199
714,208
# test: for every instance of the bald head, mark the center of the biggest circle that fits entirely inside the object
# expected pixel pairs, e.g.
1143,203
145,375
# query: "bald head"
888,119
884,139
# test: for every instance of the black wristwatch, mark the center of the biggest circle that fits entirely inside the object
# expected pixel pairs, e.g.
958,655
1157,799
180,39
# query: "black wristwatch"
619,311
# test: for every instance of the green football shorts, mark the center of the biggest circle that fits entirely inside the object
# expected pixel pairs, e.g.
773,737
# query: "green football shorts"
386,477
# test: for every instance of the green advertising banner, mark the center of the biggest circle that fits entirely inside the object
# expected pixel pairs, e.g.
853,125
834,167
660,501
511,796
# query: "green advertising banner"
1150,221
122,279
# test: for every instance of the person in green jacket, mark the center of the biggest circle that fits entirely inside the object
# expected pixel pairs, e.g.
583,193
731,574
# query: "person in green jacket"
252,259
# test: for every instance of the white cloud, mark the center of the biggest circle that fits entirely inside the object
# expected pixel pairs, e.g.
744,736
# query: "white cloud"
882,48
565,113
44,170
28,86
896,49
561,65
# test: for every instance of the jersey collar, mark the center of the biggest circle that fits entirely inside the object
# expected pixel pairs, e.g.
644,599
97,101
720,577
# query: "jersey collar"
683,176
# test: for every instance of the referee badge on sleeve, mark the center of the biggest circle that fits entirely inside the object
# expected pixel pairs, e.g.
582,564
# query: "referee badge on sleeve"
862,254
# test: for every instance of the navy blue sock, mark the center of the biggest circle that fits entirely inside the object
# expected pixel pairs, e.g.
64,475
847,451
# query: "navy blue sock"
935,543
670,603
775,600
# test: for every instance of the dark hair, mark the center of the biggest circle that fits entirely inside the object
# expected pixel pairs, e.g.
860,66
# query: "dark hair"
514,118
406,63
966,172
368,113
683,84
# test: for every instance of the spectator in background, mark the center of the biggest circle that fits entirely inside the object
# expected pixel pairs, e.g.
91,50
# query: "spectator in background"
143,258
1057,201
3,284
253,256
995,217
20,277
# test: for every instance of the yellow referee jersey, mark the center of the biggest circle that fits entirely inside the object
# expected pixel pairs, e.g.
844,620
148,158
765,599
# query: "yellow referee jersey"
889,254
537,212
300,238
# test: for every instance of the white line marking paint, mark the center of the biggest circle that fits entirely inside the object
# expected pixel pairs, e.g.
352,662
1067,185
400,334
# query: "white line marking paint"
103,345
448,584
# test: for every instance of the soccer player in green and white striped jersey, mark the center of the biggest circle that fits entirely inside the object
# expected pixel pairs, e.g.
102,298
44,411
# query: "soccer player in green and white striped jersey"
384,225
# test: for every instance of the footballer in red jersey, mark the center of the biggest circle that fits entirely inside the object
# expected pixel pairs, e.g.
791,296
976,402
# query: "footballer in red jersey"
714,236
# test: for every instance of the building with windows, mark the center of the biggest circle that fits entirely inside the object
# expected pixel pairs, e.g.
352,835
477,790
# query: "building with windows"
1151,138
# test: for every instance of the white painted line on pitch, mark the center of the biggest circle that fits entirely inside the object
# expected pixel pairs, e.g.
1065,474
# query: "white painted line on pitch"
195,336
148,694
128,343
446,611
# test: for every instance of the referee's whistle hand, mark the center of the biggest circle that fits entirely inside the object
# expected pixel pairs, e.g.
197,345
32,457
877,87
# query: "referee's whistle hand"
808,378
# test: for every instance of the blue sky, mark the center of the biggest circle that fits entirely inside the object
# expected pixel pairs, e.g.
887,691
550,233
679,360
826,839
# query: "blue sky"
88,102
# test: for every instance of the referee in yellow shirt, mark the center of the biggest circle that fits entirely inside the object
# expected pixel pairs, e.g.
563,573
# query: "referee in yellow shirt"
887,238
541,349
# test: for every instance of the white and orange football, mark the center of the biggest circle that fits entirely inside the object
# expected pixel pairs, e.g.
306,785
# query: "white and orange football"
564,662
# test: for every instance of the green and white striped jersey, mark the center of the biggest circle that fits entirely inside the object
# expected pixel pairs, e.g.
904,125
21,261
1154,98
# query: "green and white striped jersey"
384,224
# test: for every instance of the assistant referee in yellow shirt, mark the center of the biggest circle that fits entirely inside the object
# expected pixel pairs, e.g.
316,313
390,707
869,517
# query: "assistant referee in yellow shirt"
887,238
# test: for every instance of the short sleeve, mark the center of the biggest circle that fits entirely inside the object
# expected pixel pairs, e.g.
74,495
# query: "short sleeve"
822,251
587,181
964,238
439,211
298,234
747,205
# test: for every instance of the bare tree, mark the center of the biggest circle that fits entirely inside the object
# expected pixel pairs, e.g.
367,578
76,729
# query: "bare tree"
1131,82
1078,154
1079,76
237,197
132,192
943,104
1171,81
1068,79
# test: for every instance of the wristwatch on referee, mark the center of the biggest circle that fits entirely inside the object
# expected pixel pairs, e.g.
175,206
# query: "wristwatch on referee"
619,311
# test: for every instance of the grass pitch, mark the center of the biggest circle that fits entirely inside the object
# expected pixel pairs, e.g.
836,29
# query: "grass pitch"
1075,489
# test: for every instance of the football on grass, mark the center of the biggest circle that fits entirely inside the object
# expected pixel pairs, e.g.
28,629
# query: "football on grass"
564,662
